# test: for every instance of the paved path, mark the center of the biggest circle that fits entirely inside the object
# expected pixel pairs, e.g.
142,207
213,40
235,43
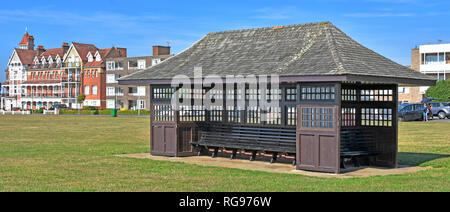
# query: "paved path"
276,167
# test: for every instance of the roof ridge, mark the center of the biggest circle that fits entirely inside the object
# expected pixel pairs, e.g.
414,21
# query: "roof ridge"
83,43
269,27
331,42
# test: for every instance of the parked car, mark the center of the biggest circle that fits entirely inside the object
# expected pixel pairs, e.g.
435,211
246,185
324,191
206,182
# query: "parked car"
58,107
441,109
402,106
411,112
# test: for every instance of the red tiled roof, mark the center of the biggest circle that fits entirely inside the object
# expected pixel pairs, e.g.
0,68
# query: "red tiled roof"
104,52
53,53
84,49
94,64
26,56
46,66
25,37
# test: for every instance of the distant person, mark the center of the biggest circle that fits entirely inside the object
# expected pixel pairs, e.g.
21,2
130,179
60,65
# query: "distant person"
430,112
425,112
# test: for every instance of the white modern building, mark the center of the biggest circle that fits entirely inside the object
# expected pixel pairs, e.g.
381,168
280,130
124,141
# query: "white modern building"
435,61
429,59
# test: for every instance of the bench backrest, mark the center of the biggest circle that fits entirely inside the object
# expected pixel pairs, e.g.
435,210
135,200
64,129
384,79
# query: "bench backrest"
357,140
250,136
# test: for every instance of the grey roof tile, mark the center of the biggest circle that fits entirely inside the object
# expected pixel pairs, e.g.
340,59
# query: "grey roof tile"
297,50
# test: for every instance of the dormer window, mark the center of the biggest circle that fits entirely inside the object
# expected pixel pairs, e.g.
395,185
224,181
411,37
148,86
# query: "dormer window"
43,61
58,60
98,57
90,57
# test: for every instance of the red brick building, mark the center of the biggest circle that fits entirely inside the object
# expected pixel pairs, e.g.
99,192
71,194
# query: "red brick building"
94,76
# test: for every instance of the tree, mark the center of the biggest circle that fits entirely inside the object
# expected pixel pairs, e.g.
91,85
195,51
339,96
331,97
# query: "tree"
80,100
441,92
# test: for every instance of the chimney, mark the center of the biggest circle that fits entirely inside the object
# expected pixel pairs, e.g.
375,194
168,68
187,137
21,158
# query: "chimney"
123,52
40,50
161,50
30,42
65,47
415,59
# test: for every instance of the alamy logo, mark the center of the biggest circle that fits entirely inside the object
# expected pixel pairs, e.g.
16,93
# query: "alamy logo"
214,92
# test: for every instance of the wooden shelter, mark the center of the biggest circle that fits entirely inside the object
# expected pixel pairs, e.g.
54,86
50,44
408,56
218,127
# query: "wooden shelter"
337,100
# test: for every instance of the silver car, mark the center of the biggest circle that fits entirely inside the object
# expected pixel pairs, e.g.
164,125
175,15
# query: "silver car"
441,109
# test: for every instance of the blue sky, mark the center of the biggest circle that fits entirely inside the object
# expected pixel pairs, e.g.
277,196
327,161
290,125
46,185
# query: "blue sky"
389,27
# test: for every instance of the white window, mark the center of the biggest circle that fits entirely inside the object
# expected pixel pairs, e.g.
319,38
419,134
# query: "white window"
141,64
110,65
423,89
132,64
119,91
141,90
86,90
111,78
156,61
77,61
110,103
90,58
141,104
94,90
403,90
110,91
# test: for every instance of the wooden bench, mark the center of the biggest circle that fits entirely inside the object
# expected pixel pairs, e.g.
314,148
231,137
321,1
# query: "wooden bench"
355,145
248,139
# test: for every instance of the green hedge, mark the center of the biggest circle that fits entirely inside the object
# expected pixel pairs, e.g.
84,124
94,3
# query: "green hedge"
103,112
441,91
41,110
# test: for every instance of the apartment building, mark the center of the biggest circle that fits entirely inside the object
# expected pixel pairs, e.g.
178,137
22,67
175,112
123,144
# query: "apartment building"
42,77
432,60
129,96
94,76
43,85
18,65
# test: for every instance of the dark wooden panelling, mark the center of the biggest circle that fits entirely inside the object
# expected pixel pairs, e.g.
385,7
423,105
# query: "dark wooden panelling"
164,140
327,152
306,148
318,148
383,138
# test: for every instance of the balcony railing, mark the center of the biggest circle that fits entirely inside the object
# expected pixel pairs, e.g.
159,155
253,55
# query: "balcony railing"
71,80
46,96
71,65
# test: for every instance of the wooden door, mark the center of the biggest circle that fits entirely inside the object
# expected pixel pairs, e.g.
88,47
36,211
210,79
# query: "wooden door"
318,139
163,140
163,131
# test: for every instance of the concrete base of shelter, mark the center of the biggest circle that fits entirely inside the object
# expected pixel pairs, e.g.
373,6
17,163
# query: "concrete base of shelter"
280,167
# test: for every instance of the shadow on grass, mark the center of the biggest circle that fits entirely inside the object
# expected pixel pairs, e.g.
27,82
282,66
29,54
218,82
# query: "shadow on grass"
415,159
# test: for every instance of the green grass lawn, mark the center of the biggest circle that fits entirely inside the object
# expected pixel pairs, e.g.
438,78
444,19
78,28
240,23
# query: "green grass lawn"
48,153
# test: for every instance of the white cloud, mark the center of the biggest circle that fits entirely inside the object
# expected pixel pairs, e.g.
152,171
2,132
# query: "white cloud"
70,18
